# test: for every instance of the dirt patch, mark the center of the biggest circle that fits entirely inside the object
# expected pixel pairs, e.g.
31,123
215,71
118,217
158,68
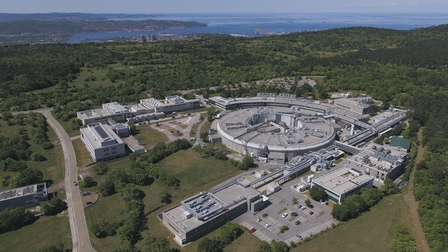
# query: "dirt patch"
416,226
55,187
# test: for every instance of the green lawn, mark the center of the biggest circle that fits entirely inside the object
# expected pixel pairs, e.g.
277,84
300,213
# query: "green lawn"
206,127
196,175
108,209
67,125
46,231
246,242
52,168
148,136
370,232
83,157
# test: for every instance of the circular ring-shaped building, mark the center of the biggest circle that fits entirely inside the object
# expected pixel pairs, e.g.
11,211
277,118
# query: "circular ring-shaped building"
274,134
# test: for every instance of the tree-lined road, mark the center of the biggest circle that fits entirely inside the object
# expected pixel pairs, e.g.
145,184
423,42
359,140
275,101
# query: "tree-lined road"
78,224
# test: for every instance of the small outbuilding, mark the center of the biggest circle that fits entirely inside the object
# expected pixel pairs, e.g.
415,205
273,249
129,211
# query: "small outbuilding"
400,142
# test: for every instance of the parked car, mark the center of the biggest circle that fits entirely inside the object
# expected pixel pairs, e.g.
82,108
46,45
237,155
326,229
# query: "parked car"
89,203
253,230
284,215
299,206
297,222
267,225
299,236
311,212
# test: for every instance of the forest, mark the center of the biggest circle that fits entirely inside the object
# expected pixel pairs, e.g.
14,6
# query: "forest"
406,69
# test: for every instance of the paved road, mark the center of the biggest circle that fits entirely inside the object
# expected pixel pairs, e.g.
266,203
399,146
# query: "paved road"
78,224
198,132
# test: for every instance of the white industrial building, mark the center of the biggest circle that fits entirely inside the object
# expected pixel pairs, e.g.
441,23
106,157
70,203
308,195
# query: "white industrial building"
147,109
112,110
275,133
358,105
343,182
102,142
171,104
204,212
25,196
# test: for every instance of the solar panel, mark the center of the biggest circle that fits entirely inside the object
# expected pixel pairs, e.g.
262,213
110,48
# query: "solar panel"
101,132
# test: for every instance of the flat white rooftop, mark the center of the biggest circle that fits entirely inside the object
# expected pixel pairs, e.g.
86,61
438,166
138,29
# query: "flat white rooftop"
20,191
342,180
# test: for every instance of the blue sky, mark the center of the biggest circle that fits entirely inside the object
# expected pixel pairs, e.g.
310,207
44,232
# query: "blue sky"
224,6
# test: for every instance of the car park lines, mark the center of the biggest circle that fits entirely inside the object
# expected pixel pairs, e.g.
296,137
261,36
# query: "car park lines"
274,222
257,233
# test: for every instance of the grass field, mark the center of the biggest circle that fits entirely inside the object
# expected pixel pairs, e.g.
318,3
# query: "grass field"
46,231
196,175
83,157
148,135
106,208
206,127
370,232
246,242
67,125
52,168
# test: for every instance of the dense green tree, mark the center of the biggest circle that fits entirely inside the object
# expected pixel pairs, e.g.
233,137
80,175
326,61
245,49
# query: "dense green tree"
53,206
389,187
88,182
263,247
318,193
27,176
247,162
51,248
230,232
402,240
279,246
371,196
164,197
308,203
13,218
157,244
103,229
209,245
101,168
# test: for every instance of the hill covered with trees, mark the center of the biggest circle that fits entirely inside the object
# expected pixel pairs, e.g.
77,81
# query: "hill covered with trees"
400,68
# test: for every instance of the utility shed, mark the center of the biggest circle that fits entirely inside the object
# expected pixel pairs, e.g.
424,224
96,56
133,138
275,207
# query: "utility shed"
400,142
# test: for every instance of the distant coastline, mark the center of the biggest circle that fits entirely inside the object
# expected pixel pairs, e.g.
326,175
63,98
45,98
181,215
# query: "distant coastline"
79,27
246,24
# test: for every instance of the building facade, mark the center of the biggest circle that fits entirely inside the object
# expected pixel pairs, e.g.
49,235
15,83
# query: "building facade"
171,104
102,142
343,182
26,196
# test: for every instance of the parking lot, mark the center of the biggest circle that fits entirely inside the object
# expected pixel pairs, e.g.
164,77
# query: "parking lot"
278,213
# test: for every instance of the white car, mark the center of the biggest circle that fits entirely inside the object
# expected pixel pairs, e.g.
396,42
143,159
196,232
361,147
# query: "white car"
267,225
284,215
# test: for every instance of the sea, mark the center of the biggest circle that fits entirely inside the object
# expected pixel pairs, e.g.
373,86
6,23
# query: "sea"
245,24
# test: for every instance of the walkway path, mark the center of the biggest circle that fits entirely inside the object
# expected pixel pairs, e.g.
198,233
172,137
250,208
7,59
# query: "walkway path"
78,224
409,198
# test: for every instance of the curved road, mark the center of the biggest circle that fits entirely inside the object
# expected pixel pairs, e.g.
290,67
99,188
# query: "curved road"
78,224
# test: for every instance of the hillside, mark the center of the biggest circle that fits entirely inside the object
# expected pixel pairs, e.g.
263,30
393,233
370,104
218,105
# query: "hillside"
400,68
58,27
